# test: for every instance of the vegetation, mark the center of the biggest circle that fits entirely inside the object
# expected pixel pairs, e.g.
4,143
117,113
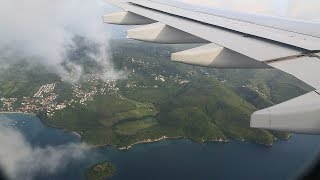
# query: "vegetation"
23,79
100,171
132,127
253,97
95,122
160,98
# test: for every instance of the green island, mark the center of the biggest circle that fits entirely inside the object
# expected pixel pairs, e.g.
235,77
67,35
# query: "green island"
157,99
99,171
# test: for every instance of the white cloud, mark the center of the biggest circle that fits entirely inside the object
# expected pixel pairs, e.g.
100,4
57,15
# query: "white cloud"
45,28
20,160
249,6
302,9
299,9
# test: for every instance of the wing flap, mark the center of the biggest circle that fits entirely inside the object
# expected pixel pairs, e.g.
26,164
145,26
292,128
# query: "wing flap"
252,47
255,48
162,33
276,34
305,68
212,55
292,52
126,18
298,115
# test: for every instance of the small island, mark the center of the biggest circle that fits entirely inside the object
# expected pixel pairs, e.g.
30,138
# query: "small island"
102,170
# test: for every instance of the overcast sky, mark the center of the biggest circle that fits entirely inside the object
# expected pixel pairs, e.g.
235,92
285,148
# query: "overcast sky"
300,9
43,31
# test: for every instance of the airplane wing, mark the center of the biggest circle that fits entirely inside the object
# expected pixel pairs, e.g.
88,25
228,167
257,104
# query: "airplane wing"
234,40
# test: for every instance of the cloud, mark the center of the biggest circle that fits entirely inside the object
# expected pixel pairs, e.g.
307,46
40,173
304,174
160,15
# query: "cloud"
249,6
308,10
20,160
299,9
42,30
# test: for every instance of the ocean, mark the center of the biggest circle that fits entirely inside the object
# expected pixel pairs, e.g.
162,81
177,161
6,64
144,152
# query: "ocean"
180,158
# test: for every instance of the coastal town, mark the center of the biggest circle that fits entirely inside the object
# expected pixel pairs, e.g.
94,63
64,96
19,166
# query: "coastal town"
45,99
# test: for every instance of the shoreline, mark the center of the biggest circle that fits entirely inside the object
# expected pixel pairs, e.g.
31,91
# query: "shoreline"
147,141
169,138
62,129
9,112
124,148
48,125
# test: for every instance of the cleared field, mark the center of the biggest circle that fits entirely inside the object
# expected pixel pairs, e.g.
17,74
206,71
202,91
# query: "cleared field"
132,127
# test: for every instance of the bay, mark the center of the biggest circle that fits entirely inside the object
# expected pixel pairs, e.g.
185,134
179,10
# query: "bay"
178,159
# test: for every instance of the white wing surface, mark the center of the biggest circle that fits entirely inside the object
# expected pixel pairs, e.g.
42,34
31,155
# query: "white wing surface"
236,40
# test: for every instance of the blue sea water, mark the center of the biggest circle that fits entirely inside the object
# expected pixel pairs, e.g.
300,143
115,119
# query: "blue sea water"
179,159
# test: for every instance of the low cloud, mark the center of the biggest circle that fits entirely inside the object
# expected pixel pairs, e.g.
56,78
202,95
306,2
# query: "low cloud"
308,10
43,30
298,9
20,160
240,5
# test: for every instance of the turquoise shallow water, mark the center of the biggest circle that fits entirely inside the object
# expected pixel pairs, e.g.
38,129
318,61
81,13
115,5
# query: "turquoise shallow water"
179,159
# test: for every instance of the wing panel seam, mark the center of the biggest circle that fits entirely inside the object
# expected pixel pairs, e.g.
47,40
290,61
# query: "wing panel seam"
288,58
234,19
219,27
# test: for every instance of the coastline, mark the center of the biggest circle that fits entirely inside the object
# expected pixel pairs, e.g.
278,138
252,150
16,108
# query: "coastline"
220,140
166,137
16,112
149,141
26,113
146,141
62,129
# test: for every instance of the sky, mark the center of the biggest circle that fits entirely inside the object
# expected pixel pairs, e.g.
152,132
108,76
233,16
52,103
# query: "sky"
43,30
297,9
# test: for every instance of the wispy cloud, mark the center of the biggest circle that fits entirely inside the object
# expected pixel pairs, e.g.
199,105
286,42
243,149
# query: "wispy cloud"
20,160
308,10
43,29
299,9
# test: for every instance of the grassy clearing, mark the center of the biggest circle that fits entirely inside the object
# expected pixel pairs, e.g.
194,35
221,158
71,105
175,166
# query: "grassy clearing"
132,127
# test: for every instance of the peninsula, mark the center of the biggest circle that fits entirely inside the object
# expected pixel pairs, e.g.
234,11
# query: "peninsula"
158,99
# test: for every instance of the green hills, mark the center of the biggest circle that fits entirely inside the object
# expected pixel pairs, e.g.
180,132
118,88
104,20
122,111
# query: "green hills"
158,98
